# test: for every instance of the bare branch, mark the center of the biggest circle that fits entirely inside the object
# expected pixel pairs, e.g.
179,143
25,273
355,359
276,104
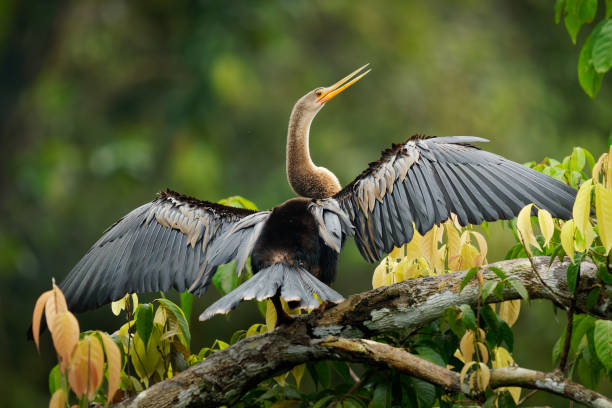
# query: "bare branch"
226,375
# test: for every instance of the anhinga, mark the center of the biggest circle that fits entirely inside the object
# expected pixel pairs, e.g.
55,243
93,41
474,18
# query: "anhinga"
178,241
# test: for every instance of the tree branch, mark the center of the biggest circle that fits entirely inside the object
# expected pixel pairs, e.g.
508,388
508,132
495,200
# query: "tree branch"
226,375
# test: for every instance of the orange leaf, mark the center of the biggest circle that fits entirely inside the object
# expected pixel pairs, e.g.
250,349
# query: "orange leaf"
87,367
65,336
37,316
55,304
58,399
113,358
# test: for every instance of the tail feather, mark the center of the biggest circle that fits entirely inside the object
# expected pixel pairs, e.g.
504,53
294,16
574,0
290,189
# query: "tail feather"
295,284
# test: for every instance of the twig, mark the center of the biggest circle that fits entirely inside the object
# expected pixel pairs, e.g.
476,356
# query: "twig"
569,328
535,270
526,397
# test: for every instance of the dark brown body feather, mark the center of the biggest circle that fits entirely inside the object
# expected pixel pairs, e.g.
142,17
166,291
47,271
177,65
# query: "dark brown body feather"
291,236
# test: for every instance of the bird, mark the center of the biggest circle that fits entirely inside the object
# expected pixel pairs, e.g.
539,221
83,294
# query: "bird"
177,241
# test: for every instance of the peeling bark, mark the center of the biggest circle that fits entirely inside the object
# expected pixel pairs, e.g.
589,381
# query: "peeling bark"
226,375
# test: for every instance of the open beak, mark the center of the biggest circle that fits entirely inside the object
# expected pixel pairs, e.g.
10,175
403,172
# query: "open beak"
341,85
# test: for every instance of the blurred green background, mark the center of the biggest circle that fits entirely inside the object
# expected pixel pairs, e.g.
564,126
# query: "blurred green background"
104,103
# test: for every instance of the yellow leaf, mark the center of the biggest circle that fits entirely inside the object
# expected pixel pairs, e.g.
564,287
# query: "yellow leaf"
146,360
254,329
603,210
598,166
483,376
429,247
379,274
609,170
567,238
161,316
583,242
453,240
113,360
484,353
465,370
281,379
65,336
582,206
482,244
470,256
298,373
58,399
118,305
37,316
509,311
56,303
523,225
396,253
458,355
466,345
547,225
87,367
502,358
270,315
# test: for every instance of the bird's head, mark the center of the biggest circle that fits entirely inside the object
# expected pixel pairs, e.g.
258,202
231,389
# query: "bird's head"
315,99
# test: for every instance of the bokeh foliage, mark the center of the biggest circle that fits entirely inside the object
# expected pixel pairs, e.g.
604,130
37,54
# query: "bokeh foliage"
104,103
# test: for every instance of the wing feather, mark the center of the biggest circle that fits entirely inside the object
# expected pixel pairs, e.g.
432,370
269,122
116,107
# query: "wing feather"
161,245
419,183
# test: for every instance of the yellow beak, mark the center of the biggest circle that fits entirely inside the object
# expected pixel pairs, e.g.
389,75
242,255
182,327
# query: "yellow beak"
341,85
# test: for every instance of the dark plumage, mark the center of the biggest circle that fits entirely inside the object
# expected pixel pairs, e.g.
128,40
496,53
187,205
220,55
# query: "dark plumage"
178,241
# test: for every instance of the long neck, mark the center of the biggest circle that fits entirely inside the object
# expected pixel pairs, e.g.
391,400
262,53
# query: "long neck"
305,178
298,152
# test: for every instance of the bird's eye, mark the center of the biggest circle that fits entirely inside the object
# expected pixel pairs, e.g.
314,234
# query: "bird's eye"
318,92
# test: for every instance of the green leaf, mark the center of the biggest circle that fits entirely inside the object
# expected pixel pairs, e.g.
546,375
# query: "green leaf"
505,400
555,172
578,12
186,303
518,286
592,298
604,275
430,355
581,325
608,9
225,279
572,276
468,277
506,335
487,289
425,391
381,397
180,317
467,317
497,271
342,369
589,369
602,48
577,159
322,373
603,342
238,202
559,10
144,321
324,402
589,78
556,252
55,379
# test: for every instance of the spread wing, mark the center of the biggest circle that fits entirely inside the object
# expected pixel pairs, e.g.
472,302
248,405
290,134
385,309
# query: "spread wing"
424,180
172,242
